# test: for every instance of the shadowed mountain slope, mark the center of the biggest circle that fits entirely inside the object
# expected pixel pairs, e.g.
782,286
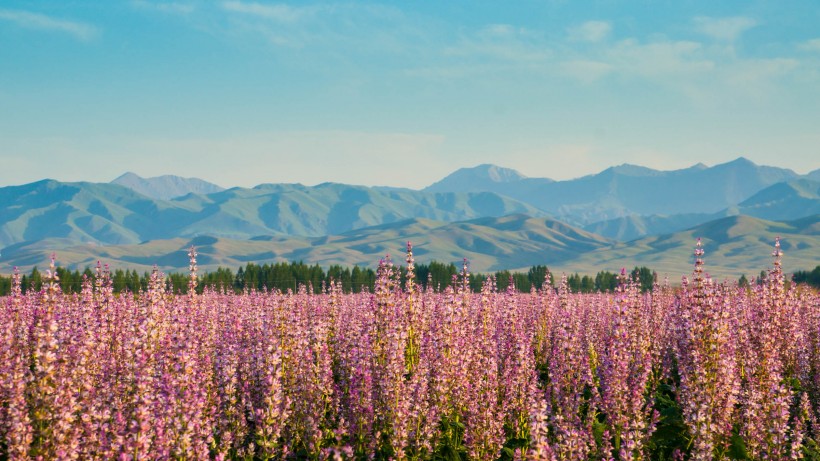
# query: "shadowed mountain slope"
786,200
114,214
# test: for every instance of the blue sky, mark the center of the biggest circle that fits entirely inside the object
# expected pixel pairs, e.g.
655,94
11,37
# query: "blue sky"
402,93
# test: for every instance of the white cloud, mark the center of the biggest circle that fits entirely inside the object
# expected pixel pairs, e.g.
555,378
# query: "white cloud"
700,71
705,75
810,45
503,43
38,21
345,29
590,31
277,12
659,59
165,7
506,31
759,79
585,70
724,29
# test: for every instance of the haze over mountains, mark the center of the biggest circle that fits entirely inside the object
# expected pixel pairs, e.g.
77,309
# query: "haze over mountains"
166,187
496,217
627,190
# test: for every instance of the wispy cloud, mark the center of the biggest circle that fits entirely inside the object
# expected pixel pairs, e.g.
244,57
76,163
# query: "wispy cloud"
725,29
283,26
810,45
590,31
659,59
585,70
37,21
702,71
165,7
276,12
324,28
503,43
505,31
706,75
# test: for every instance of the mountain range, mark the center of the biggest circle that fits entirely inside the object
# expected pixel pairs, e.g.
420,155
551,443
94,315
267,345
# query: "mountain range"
496,217
114,214
626,190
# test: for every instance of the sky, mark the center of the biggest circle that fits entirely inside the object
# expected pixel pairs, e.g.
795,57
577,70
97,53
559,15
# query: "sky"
402,93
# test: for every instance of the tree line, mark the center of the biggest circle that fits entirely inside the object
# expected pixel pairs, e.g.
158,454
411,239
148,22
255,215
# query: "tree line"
808,277
290,276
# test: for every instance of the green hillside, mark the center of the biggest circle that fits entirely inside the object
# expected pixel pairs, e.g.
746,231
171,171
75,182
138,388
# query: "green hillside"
489,244
733,245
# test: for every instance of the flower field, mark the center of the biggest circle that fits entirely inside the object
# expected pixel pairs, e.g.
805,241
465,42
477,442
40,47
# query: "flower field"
703,371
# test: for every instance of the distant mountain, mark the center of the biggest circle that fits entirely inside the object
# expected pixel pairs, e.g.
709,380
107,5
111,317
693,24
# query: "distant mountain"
488,243
114,214
166,187
627,190
785,200
489,178
814,175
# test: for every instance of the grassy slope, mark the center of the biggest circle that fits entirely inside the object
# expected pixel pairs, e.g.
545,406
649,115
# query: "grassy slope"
733,245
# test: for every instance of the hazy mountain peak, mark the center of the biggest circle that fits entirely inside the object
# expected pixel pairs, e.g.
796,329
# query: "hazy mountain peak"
485,177
166,187
488,171
742,160
127,176
498,174
629,169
